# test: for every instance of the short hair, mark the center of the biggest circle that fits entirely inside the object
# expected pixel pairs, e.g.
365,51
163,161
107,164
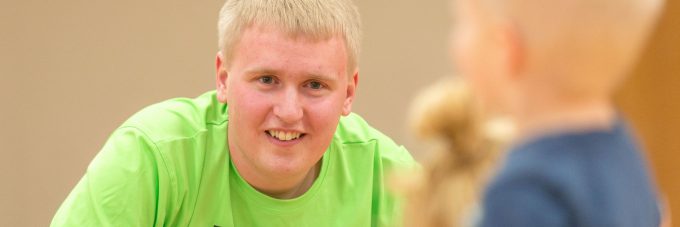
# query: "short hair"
316,19
604,37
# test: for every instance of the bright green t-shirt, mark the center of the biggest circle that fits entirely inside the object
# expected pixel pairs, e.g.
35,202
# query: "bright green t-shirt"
169,165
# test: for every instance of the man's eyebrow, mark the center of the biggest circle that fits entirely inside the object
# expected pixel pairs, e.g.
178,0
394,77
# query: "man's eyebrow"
307,76
258,70
321,77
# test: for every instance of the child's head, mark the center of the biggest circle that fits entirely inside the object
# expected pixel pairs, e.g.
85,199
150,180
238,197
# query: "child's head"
581,49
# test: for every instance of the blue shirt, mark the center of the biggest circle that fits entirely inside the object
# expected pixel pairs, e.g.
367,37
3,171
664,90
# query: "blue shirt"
593,178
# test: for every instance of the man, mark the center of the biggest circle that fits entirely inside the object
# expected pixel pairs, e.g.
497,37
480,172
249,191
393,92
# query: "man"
275,145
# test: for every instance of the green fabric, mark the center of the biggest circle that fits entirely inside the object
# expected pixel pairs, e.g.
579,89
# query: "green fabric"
169,165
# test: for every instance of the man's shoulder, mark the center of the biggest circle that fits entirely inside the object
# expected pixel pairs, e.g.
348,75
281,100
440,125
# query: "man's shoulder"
354,129
354,132
178,117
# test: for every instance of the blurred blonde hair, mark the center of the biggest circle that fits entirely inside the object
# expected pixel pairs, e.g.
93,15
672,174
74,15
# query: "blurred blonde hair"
317,19
583,46
465,146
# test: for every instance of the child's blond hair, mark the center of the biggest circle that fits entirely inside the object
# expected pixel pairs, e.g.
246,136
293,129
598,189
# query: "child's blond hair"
463,153
582,47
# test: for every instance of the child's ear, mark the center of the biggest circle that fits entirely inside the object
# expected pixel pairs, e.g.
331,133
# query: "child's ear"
513,51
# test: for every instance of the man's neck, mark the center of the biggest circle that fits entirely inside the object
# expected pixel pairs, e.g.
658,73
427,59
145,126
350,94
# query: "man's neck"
277,185
299,188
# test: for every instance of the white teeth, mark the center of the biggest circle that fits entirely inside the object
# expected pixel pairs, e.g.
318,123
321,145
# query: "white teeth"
285,136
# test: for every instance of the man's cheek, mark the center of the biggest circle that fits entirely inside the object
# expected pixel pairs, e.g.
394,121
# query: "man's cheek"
251,103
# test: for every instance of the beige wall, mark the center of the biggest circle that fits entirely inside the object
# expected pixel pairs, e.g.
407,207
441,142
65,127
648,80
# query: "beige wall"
73,70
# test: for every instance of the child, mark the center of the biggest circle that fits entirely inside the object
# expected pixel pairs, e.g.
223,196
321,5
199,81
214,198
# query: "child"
551,67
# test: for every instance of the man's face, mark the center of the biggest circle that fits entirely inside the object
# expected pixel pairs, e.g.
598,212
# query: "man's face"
285,97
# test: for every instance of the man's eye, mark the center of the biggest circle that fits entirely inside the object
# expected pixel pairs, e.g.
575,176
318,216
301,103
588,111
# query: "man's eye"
315,85
266,79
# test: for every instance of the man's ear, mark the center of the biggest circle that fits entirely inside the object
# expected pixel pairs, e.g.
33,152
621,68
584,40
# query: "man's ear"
221,79
351,93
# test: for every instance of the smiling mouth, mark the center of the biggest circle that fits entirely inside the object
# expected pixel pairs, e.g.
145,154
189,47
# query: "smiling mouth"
284,136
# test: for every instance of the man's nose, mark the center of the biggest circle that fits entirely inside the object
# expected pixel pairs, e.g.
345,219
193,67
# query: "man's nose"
288,107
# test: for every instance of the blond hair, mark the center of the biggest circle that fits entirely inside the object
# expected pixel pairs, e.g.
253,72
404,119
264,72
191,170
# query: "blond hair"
584,46
316,19
463,153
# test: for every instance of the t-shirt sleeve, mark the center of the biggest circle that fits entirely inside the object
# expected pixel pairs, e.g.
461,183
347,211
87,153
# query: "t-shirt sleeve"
120,186
395,159
521,203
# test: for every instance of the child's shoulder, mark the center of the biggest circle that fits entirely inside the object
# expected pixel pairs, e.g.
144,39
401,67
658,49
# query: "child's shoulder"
574,147
574,162
591,172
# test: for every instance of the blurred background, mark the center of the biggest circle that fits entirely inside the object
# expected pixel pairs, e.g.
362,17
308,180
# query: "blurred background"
71,71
